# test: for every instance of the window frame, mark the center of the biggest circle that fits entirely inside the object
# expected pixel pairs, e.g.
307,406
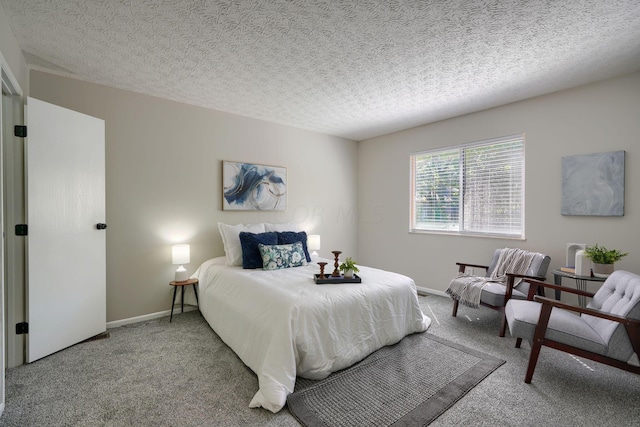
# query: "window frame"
460,230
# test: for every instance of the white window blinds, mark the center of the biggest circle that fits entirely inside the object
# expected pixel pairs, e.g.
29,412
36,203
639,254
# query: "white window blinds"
476,188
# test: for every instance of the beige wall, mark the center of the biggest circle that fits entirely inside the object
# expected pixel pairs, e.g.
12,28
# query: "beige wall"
163,167
596,118
163,182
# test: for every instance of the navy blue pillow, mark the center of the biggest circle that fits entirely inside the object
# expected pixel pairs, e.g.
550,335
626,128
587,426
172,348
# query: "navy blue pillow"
251,257
288,237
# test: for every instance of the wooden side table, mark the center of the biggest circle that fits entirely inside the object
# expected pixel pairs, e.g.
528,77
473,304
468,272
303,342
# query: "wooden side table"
175,285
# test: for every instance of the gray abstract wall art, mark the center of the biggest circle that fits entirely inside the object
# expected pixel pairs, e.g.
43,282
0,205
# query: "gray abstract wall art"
593,184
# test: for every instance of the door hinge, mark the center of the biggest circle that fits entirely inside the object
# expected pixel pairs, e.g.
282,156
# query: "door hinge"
20,131
22,229
22,328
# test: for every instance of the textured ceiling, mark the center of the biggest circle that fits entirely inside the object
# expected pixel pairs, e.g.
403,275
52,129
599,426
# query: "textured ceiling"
352,68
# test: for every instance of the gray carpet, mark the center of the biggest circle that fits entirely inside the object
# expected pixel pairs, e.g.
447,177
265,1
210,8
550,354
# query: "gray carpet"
407,384
181,374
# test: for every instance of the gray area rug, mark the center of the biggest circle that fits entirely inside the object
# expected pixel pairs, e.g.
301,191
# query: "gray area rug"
408,384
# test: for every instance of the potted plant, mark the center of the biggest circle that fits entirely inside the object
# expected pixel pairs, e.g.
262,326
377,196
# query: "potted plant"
348,267
603,259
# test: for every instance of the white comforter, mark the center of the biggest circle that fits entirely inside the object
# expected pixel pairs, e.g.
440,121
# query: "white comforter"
281,324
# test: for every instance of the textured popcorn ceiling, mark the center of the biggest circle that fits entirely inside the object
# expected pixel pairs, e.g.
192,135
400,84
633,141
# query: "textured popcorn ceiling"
351,68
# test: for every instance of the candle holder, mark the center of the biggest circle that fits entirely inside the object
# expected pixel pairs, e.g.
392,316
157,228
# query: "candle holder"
322,264
336,272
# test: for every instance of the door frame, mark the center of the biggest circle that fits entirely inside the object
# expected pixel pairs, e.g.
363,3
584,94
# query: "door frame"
11,113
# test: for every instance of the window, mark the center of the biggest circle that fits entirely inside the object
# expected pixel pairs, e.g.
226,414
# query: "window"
475,189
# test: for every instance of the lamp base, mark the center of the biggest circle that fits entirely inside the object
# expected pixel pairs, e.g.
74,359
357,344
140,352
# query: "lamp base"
181,274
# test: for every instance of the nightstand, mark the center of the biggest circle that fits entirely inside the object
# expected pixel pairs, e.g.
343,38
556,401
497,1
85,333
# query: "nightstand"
175,285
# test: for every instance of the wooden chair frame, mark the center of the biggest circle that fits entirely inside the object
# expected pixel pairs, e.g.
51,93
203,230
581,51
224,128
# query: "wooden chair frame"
632,327
507,295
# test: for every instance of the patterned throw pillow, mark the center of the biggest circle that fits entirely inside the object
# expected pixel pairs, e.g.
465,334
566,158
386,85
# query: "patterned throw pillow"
287,237
275,257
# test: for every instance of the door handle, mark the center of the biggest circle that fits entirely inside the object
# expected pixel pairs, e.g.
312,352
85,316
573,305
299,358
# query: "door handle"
101,226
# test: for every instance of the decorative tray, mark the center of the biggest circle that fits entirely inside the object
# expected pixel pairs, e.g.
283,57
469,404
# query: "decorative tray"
340,279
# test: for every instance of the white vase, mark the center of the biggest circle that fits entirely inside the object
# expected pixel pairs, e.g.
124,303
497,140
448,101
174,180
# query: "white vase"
348,274
602,270
583,264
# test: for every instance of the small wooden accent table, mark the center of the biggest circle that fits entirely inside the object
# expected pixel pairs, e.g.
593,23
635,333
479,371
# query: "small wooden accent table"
175,285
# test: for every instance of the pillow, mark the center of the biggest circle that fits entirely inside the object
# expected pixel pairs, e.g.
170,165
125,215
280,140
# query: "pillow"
275,257
281,227
231,240
251,257
287,237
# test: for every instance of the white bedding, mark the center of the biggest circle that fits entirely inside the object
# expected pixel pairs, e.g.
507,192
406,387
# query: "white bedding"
281,324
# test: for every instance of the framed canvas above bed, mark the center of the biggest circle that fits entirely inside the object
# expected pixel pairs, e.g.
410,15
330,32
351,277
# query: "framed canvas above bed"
253,187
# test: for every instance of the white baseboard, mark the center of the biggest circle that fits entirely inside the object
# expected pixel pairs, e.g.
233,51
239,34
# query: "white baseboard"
151,316
428,291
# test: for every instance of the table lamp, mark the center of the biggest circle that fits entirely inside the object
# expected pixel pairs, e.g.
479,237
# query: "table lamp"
180,255
313,244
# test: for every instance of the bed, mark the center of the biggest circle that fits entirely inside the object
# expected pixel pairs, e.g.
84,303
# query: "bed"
282,325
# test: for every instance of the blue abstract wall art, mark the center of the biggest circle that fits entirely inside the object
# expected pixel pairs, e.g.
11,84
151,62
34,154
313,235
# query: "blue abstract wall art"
250,187
593,184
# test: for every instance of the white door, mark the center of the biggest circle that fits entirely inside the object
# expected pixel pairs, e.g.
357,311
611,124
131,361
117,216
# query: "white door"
66,252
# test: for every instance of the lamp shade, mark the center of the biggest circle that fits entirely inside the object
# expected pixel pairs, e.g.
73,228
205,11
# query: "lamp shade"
180,254
313,242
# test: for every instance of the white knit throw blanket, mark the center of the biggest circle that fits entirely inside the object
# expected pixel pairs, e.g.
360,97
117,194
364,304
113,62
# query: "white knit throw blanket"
467,289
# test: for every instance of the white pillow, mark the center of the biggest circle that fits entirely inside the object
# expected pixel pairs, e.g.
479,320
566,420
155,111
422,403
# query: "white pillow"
281,227
231,240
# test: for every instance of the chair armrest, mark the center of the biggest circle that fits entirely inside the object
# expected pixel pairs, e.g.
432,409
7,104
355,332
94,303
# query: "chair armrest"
590,311
463,265
632,326
536,283
511,281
